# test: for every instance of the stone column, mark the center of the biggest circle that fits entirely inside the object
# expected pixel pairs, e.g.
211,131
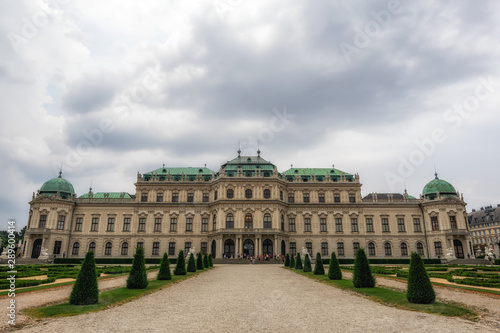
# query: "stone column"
257,246
275,247
220,247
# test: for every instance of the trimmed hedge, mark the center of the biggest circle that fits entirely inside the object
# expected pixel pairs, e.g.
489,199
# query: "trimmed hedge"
138,278
287,260
164,273
318,266
362,277
111,261
25,283
419,288
180,268
334,272
191,264
380,261
85,290
298,262
292,262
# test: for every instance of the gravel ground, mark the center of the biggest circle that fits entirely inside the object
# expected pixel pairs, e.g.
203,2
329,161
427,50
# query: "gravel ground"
255,298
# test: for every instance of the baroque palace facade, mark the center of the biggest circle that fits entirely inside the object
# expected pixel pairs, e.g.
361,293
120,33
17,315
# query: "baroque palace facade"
250,208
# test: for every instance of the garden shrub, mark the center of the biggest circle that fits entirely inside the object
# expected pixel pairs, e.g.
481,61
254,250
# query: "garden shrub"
307,264
292,261
419,288
180,268
191,264
319,269
362,277
164,273
138,278
199,262
205,261
334,272
287,260
85,290
298,262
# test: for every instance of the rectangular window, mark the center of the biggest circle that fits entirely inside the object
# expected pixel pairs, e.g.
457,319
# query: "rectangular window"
438,249
111,224
173,224
57,247
95,224
205,197
204,246
324,248
309,247
321,197
369,224
338,224
190,197
204,224
43,221
175,197
79,224
142,224
416,225
336,197
322,224
306,197
340,248
307,224
291,197
144,197
281,195
126,224
385,224
434,223
214,223
140,244
215,195
401,225
355,247
293,248
171,249
60,222
187,247
352,198
354,224
291,224
156,248
189,224
158,224
159,197
453,222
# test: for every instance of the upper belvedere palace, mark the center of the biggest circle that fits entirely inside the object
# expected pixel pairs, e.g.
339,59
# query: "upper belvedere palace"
247,207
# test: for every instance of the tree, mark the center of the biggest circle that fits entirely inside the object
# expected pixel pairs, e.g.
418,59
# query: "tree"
362,277
292,261
210,262
298,262
319,269
199,262
180,268
138,278
307,264
164,273
287,260
419,289
85,290
191,264
205,261
334,272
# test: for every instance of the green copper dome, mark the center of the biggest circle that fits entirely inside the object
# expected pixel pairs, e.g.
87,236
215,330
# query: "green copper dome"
58,184
440,186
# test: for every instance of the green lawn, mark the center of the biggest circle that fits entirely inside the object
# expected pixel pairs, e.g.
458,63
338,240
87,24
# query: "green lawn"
396,298
106,299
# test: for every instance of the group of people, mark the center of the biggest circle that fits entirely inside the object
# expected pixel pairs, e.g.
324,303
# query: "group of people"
253,259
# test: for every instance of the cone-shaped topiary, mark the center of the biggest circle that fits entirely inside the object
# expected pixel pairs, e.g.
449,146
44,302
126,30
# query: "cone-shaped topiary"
307,264
180,268
292,261
362,277
138,278
298,262
164,273
191,264
85,290
210,261
199,262
287,260
205,261
419,289
319,269
334,272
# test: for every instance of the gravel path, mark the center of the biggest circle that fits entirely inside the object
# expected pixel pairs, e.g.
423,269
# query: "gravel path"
254,298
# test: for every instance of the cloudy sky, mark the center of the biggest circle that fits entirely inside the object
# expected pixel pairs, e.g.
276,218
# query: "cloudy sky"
386,89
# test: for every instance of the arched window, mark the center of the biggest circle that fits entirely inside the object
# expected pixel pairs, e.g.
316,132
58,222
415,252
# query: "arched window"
404,249
371,249
420,248
124,249
248,193
267,193
267,247
388,249
229,248
267,221
230,193
229,221
92,247
248,221
107,249
76,248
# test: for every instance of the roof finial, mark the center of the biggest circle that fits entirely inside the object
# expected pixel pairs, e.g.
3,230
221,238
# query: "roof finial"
291,166
90,188
258,148
435,172
163,165
333,166
404,184
60,170
239,148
